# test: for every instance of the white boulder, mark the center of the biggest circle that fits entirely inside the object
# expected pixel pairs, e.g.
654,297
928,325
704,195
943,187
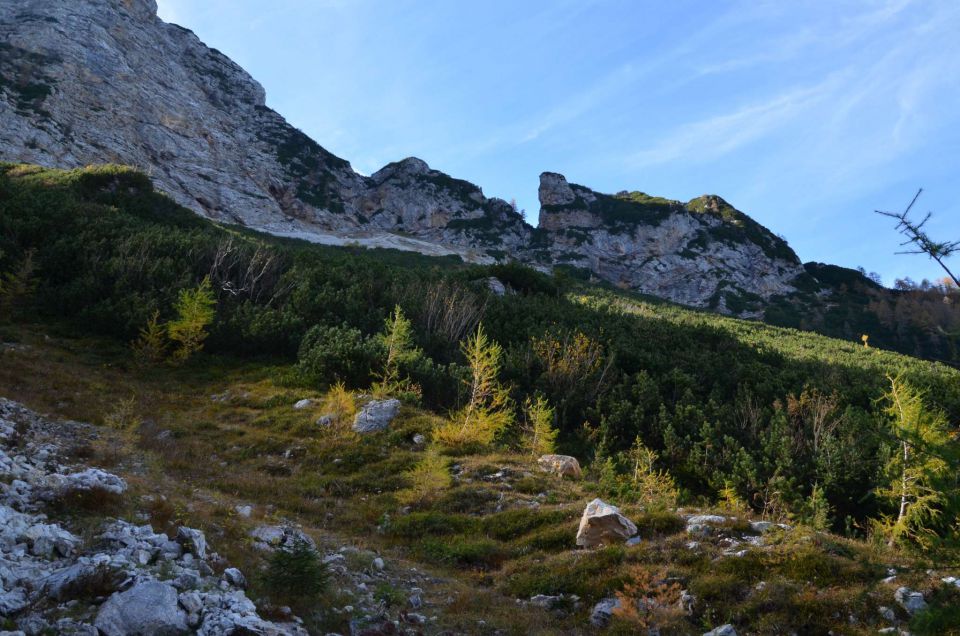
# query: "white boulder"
602,523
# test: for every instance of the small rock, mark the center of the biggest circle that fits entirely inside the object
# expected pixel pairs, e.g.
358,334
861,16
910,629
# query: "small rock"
244,511
376,415
633,541
888,614
545,601
269,538
911,601
419,439
325,420
703,524
723,630
302,404
193,540
235,577
378,563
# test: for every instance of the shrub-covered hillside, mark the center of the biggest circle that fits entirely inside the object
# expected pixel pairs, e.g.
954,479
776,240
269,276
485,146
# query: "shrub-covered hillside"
663,406
725,403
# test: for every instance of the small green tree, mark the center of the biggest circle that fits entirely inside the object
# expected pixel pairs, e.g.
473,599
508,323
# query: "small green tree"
15,286
540,435
918,469
816,510
634,477
150,347
487,412
399,349
296,574
429,477
195,312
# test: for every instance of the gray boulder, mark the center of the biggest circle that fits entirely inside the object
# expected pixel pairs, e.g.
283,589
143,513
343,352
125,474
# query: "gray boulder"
563,465
603,611
911,601
235,577
13,601
146,609
704,524
376,415
602,523
82,577
91,479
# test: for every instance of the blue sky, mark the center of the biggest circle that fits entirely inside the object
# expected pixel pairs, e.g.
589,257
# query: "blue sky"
805,115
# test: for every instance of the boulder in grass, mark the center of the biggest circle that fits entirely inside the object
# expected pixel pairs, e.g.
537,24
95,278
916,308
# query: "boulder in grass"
602,524
376,415
911,601
602,612
562,465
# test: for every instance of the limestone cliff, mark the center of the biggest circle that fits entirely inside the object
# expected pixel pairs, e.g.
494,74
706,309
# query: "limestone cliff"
97,81
703,253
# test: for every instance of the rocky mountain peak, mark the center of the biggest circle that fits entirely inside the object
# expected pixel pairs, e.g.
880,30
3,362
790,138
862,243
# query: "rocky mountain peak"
554,189
408,166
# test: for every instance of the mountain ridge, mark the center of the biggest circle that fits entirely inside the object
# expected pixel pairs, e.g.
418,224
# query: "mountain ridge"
77,71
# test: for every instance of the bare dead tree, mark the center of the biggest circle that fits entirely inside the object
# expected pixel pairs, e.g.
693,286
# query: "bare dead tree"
917,236
450,311
237,272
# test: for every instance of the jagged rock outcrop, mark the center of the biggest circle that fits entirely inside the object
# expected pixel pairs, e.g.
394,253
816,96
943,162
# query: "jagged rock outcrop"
703,253
107,81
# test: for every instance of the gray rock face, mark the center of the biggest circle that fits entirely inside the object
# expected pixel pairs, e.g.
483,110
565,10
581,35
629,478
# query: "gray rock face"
703,253
107,81
148,608
376,415
602,524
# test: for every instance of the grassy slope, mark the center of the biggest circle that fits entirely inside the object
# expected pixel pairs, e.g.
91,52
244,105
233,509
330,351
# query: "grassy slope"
484,540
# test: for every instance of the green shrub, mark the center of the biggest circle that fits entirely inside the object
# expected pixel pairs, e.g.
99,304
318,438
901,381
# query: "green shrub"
329,354
590,575
464,551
